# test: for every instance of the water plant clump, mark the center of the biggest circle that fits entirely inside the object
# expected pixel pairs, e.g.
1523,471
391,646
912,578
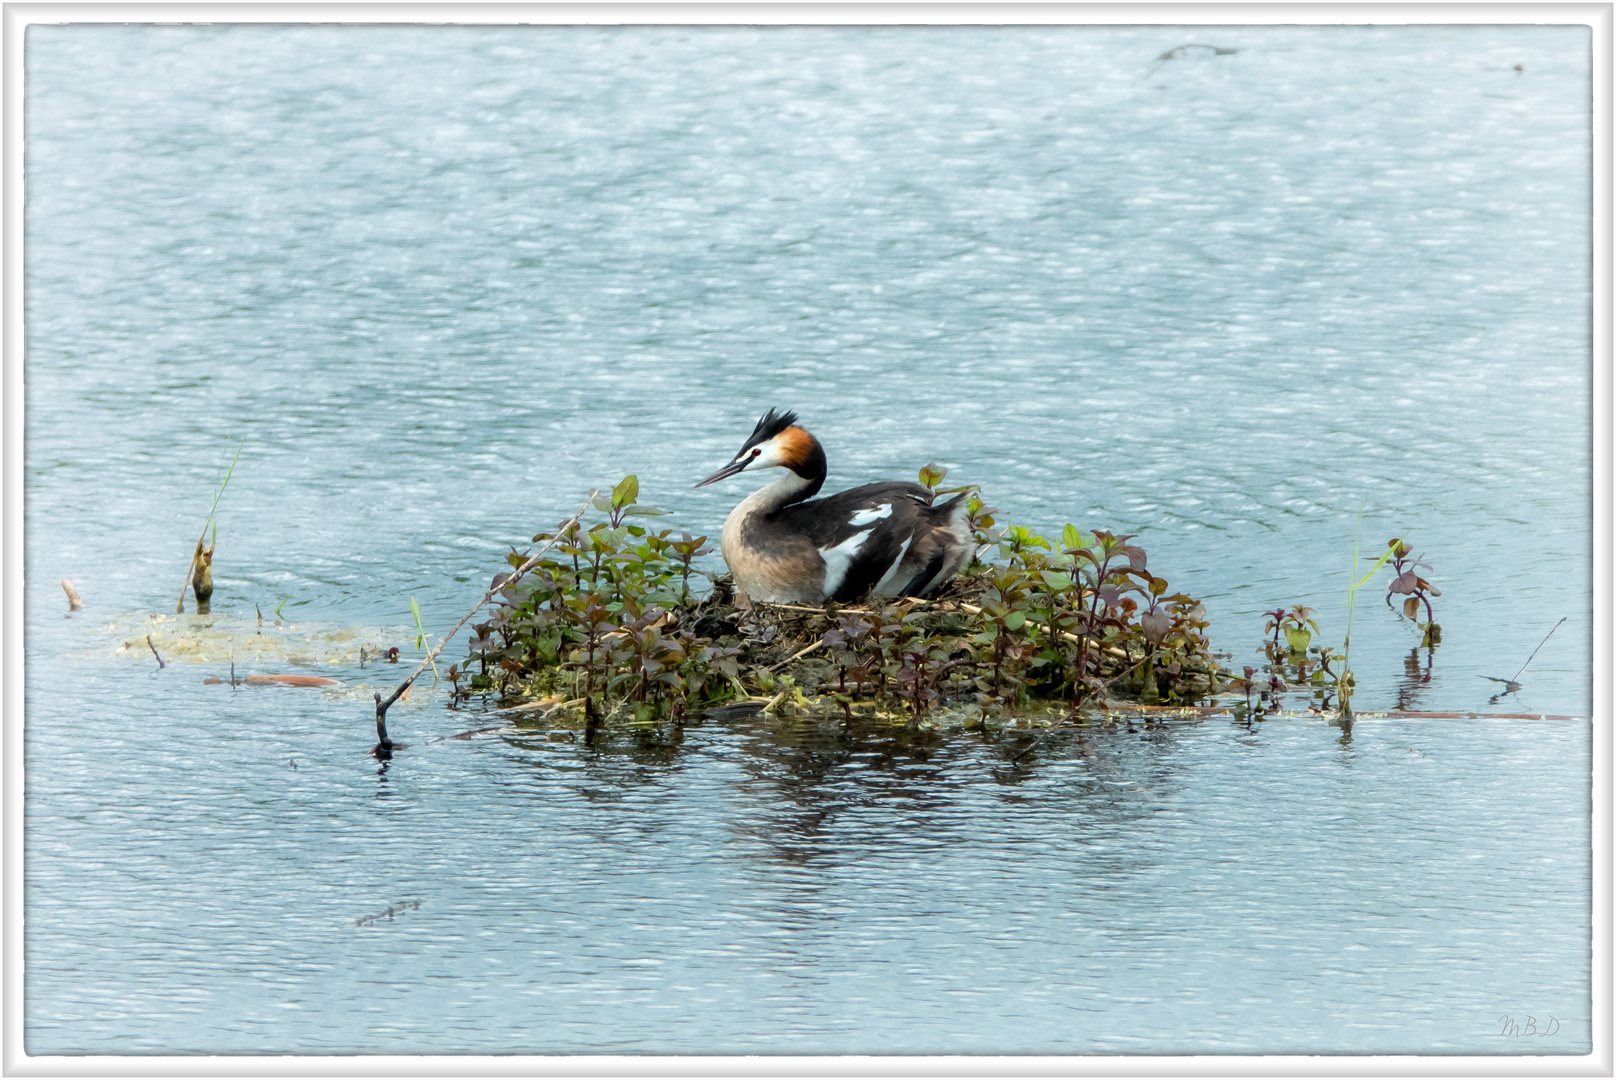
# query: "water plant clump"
1294,664
1407,581
199,572
617,625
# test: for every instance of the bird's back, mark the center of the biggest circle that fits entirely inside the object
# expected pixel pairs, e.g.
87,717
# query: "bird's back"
885,536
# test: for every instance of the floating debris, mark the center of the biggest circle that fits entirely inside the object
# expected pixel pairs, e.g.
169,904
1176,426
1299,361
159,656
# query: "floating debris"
275,653
392,909
1181,51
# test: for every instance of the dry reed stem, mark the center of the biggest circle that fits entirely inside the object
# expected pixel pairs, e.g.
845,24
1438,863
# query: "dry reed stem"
179,605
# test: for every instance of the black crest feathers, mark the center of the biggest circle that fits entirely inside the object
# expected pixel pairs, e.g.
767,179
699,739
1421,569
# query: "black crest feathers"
772,424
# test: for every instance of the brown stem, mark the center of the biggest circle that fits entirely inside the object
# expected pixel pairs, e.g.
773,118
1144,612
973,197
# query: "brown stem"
179,605
384,745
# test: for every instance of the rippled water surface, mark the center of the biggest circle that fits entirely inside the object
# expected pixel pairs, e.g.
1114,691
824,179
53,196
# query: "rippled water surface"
444,281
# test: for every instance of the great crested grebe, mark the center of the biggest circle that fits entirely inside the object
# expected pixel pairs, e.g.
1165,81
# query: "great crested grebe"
885,538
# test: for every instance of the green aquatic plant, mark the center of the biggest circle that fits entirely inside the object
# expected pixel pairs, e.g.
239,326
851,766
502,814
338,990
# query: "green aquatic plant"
1298,626
608,626
1299,665
1407,581
199,573
1344,681
420,631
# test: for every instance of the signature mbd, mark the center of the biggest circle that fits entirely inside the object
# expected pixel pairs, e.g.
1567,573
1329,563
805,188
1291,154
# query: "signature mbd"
1527,1027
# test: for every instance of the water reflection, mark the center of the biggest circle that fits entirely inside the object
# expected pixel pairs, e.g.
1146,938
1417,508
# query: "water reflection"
803,777
1416,677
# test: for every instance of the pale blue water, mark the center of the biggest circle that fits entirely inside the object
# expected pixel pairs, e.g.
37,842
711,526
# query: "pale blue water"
444,281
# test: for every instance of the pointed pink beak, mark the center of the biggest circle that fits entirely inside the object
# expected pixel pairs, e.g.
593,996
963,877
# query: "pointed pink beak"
728,470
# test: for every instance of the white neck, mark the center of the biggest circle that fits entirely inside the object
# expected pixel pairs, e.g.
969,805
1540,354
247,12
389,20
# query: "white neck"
771,497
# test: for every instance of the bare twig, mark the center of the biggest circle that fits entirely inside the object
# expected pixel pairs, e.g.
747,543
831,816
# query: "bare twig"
1540,644
73,601
1025,750
548,705
796,656
384,745
160,664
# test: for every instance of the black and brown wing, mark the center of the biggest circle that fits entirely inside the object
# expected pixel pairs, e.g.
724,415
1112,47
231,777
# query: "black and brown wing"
886,537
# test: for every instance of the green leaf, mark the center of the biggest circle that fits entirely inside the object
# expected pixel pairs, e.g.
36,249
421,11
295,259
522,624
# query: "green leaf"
1072,538
1015,619
420,636
1056,582
1387,554
626,492
1298,639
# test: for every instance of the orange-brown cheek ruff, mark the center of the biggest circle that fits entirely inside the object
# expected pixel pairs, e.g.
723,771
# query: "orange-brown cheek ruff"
783,546
796,446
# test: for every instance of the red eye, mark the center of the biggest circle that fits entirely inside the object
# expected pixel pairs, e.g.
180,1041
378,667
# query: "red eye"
756,451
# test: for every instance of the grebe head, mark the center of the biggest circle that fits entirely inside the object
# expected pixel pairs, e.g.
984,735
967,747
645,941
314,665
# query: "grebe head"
776,441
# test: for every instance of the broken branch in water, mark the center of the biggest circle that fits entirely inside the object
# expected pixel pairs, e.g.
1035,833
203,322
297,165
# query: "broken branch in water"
384,745
73,601
153,648
1540,644
1513,684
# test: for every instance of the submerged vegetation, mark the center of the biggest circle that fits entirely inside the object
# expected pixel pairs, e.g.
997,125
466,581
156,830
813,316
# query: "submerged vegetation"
607,627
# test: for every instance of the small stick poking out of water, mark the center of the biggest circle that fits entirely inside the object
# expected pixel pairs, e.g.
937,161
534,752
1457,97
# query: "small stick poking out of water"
1540,644
1513,684
73,601
153,648
384,747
